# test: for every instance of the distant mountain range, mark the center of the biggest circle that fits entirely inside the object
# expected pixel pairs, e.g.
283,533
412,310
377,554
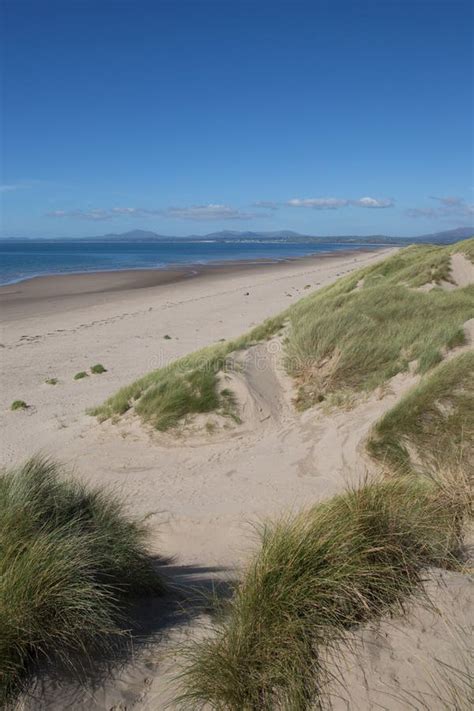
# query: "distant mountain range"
445,237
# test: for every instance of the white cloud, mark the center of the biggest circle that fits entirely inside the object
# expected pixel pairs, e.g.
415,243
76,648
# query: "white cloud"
372,202
96,214
100,213
194,212
127,210
331,203
208,212
318,203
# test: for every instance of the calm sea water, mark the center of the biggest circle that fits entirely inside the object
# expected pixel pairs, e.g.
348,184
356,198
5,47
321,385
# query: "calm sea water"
26,259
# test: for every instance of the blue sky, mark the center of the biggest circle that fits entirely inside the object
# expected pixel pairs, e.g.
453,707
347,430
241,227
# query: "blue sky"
325,117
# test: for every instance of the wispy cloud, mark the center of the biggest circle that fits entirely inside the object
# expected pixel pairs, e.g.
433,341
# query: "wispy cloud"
422,212
373,202
194,212
449,201
448,207
21,185
209,212
10,187
332,203
217,211
98,214
266,204
318,203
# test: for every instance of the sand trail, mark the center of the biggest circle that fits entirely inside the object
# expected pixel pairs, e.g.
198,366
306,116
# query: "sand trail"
462,270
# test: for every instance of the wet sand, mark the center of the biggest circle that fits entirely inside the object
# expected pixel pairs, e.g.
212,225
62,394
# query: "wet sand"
45,294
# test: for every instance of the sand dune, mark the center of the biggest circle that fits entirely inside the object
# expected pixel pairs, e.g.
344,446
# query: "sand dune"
203,485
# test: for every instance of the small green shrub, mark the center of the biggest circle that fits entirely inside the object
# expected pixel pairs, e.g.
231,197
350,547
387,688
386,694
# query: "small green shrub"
51,381
82,374
98,369
18,405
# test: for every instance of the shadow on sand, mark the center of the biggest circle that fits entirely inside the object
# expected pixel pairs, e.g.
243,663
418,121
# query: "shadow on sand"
149,621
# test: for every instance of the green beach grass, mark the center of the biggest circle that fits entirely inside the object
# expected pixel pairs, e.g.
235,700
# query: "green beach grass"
433,425
361,554
315,575
350,336
358,333
70,559
186,386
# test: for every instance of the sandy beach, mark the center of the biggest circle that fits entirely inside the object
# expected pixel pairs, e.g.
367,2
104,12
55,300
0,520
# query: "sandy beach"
54,327
200,489
236,356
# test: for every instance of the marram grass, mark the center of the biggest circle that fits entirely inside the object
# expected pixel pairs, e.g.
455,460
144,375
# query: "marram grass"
351,336
433,424
186,386
315,575
366,328
69,558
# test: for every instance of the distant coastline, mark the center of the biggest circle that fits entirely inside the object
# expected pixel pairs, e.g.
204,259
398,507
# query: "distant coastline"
45,294
443,237
22,261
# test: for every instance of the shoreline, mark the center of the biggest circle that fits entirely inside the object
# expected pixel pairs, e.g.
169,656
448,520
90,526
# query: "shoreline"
198,489
83,284
326,250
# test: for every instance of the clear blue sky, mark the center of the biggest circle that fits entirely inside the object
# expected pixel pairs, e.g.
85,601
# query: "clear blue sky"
183,117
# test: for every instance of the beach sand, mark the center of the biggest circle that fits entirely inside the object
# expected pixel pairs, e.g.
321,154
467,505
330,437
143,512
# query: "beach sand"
200,489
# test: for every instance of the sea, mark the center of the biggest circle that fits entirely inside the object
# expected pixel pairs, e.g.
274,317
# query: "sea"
25,259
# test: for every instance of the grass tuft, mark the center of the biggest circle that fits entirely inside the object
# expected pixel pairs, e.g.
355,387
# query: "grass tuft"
70,558
434,421
18,405
165,403
82,374
316,575
187,386
466,247
98,369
